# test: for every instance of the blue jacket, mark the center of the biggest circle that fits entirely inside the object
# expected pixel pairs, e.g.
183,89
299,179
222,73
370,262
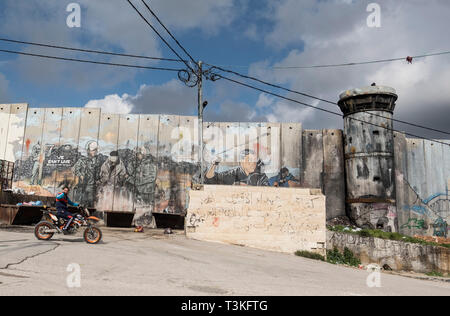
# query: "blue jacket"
62,200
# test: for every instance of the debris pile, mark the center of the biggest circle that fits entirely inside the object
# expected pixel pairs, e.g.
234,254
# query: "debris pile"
339,221
37,203
438,240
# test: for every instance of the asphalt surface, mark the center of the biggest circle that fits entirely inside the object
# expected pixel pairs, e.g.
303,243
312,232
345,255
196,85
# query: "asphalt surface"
151,263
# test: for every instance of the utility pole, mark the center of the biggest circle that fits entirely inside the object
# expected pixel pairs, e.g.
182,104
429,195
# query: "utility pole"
200,119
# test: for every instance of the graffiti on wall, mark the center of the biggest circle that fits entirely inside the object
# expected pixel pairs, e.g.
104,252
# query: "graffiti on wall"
143,163
422,183
415,223
429,215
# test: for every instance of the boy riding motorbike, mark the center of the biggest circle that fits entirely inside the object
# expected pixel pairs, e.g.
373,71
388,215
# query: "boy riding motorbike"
62,202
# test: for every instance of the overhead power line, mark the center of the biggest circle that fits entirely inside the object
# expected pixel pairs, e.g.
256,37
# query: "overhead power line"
349,64
89,61
88,50
323,100
321,109
161,37
364,62
167,30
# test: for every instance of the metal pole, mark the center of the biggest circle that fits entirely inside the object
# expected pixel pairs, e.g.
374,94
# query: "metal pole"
200,119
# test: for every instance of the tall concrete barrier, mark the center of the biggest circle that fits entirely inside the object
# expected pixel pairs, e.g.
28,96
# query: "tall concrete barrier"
283,219
423,181
146,164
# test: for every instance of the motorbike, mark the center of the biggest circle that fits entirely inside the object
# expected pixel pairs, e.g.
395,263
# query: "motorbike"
51,224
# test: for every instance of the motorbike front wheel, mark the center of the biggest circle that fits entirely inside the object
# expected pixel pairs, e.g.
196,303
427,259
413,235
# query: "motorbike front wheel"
92,235
40,231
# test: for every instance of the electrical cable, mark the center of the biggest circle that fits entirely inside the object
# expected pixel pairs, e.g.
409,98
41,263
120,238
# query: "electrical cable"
171,35
160,36
348,64
324,110
88,50
88,61
321,99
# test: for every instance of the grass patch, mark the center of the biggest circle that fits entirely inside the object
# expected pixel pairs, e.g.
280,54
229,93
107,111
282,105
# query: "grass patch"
384,235
333,257
310,255
436,274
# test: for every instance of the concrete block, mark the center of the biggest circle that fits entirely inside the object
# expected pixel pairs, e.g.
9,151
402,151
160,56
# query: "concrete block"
284,220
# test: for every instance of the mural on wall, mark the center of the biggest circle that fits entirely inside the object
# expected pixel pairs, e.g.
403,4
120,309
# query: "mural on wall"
424,182
65,155
144,164
429,216
145,168
141,164
249,154
13,118
33,153
86,169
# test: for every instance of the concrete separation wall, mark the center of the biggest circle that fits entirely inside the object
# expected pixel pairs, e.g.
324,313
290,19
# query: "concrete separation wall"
422,181
396,254
146,164
284,219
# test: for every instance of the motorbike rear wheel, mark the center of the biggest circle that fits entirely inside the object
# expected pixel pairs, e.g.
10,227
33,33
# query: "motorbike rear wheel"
40,228
92,235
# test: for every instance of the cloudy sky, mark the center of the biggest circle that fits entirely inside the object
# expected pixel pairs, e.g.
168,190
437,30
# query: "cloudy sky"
250,36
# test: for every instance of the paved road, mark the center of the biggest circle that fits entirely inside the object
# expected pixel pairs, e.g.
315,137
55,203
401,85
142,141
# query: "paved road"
127,263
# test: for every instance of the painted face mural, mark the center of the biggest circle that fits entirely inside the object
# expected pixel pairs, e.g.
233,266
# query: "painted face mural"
248,173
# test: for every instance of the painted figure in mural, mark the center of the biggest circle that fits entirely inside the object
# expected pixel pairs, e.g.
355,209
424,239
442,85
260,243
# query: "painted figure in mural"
145,172
113,171
283,179
86,170
35,156
248,173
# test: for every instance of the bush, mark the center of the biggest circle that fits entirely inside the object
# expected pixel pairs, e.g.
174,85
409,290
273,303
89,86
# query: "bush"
335,257
348,258
310,255
364,233
435,274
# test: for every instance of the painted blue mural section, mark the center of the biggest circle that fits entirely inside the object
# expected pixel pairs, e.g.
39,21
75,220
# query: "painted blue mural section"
425,188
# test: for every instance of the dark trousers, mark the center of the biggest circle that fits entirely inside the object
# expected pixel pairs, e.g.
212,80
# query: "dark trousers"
65,214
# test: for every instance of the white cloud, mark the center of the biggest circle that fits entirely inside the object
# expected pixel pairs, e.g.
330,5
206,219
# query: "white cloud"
264,101
175,98
171,97
112,104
